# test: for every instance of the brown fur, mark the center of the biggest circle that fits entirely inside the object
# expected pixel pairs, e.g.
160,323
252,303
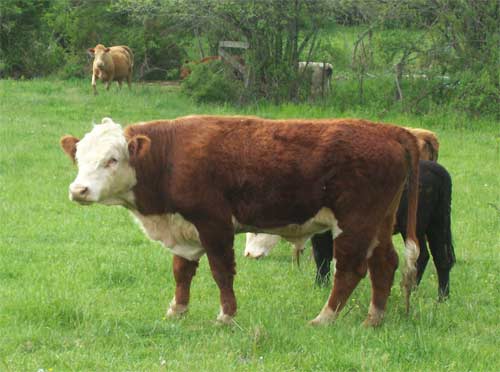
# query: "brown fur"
68,143
118,65
428,143
271,173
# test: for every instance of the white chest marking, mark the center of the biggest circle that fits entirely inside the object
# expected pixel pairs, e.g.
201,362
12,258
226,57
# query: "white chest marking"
177,234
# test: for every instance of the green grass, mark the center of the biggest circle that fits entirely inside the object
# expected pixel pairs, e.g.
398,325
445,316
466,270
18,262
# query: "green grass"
82,289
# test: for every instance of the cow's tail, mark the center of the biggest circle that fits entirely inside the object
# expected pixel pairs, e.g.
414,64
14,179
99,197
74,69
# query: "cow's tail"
412,250
444,252
445,211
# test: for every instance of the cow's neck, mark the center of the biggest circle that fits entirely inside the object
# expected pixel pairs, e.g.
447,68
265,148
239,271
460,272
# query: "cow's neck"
149,200
127,200
150,193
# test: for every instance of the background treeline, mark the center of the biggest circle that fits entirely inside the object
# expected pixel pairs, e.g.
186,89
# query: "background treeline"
413,54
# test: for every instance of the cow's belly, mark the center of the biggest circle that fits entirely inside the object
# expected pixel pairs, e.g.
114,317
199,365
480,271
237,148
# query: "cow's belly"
323,220
181,236
174,232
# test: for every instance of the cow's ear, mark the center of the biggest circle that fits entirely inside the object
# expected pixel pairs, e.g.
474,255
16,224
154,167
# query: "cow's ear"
138,147
91,51
68,144
107,50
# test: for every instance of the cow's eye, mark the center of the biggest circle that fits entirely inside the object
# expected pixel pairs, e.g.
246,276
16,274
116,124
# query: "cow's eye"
110,162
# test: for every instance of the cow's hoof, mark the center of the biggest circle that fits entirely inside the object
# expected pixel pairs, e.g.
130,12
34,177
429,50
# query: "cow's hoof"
374,318
224,319
176,310
372,322
325,317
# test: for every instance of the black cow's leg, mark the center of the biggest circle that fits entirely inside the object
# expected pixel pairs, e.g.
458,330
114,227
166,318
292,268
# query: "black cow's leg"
444,283
184,271
322,247
442,260
217,239
423,258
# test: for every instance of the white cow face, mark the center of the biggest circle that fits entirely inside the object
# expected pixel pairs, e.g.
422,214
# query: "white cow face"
103,156
259,245
101,55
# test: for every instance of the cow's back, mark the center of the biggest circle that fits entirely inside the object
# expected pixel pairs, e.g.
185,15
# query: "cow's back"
273,172
123,60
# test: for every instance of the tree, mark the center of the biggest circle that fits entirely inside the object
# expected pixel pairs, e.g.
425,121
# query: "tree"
26,48
278,32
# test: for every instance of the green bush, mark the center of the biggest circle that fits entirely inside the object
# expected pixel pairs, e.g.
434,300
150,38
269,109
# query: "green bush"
212,82
77,65
476,93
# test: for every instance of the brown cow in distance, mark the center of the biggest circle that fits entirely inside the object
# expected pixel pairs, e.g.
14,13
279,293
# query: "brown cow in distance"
186,70
195,181
111,64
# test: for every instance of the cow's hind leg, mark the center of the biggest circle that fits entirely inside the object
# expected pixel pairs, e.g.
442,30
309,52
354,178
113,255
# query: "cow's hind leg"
423,258
351,266
444,258
184,271
382,265
129,80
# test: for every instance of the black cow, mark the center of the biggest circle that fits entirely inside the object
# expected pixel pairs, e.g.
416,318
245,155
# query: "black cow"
433,222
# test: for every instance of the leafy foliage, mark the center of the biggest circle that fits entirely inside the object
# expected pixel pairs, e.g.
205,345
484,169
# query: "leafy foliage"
212,82
428,52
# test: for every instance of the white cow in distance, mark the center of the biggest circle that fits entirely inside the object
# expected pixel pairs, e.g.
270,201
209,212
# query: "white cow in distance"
321,76
259,245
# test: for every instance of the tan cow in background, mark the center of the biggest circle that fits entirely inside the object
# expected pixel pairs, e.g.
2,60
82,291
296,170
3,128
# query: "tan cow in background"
112,64
428,143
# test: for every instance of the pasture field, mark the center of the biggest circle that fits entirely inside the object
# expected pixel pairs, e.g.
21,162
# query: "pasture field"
82,289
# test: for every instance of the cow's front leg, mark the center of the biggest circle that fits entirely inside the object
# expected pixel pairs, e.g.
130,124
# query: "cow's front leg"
184,271
223,271
217,239
94,85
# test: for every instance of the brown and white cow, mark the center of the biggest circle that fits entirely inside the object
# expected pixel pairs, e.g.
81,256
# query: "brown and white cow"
185,69
195,181
111,64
